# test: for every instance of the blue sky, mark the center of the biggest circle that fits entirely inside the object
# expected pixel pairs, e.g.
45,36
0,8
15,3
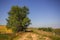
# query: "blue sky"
43,13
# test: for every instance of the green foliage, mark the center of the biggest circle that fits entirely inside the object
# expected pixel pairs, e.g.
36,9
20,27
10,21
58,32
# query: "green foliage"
7,36
3,37
46,29
18,19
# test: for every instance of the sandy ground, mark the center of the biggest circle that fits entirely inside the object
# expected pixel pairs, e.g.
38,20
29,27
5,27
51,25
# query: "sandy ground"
32,36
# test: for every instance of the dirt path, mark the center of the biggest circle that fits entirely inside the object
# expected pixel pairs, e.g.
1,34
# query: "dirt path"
32,36
29,36
24,36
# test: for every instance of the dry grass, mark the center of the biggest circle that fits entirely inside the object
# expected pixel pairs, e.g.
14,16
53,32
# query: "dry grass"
38,35
34,35
3,29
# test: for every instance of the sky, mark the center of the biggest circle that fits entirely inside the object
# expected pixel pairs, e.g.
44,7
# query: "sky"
43,13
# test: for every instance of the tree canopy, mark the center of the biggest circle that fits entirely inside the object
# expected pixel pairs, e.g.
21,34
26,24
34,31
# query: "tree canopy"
18,18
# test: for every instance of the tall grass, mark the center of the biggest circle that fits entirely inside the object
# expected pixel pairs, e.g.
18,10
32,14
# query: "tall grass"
4,37
7,36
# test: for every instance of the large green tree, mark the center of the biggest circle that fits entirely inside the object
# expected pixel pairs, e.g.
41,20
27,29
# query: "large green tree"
18,18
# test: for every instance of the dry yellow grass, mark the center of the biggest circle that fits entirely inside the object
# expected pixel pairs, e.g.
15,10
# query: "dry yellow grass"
3,29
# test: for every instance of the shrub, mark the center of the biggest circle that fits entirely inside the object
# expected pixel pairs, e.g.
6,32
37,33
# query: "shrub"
46,29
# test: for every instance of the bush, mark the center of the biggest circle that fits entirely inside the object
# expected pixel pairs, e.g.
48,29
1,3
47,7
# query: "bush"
46,29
